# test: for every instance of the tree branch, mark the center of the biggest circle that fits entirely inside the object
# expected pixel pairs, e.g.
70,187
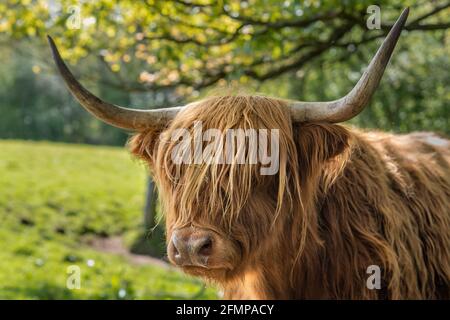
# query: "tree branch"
322,47
431,13
294,59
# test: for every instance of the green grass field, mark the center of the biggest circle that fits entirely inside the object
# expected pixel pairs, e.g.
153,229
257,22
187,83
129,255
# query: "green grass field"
53,199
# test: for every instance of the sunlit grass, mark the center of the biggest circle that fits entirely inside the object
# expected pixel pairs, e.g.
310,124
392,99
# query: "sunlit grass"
53,197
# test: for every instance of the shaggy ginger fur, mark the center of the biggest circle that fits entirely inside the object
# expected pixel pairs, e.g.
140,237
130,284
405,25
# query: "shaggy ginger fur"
343,200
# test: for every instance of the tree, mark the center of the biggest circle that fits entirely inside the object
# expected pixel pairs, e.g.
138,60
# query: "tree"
187,45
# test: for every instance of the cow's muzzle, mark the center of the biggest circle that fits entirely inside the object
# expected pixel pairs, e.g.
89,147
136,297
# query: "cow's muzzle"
191,247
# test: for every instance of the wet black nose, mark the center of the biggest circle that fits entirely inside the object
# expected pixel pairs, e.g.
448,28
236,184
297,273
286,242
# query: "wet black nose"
190,248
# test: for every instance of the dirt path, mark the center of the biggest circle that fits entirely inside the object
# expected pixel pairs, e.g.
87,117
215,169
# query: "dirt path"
115,245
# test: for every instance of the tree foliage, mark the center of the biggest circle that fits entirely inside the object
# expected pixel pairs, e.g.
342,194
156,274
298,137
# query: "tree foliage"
154,53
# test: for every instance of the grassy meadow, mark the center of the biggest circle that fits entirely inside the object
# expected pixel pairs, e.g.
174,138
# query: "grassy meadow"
54,200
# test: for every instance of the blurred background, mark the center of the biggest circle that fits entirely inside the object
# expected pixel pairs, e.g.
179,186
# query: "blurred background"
69,192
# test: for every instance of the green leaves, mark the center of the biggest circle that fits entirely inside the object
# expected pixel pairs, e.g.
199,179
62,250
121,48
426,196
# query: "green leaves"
177,48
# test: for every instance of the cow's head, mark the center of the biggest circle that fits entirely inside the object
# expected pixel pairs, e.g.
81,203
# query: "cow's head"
222,216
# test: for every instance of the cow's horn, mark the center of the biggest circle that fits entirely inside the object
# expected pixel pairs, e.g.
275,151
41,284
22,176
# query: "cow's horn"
354,102
130,119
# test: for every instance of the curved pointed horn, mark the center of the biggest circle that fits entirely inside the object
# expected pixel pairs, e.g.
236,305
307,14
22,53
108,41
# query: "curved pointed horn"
354,102
130,119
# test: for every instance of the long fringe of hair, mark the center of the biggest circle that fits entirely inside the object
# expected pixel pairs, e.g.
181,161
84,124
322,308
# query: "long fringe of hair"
342,200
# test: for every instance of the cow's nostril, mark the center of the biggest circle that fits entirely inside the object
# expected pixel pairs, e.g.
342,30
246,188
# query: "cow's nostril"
176,253
178,250
205,248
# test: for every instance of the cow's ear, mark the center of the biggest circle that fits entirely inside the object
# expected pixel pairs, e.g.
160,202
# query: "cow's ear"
143,145
320,142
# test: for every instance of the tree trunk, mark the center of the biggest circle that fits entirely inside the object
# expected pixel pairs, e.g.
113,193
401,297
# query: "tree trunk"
150,205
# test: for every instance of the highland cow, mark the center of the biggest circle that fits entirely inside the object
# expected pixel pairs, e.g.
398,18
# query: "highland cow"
342,200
